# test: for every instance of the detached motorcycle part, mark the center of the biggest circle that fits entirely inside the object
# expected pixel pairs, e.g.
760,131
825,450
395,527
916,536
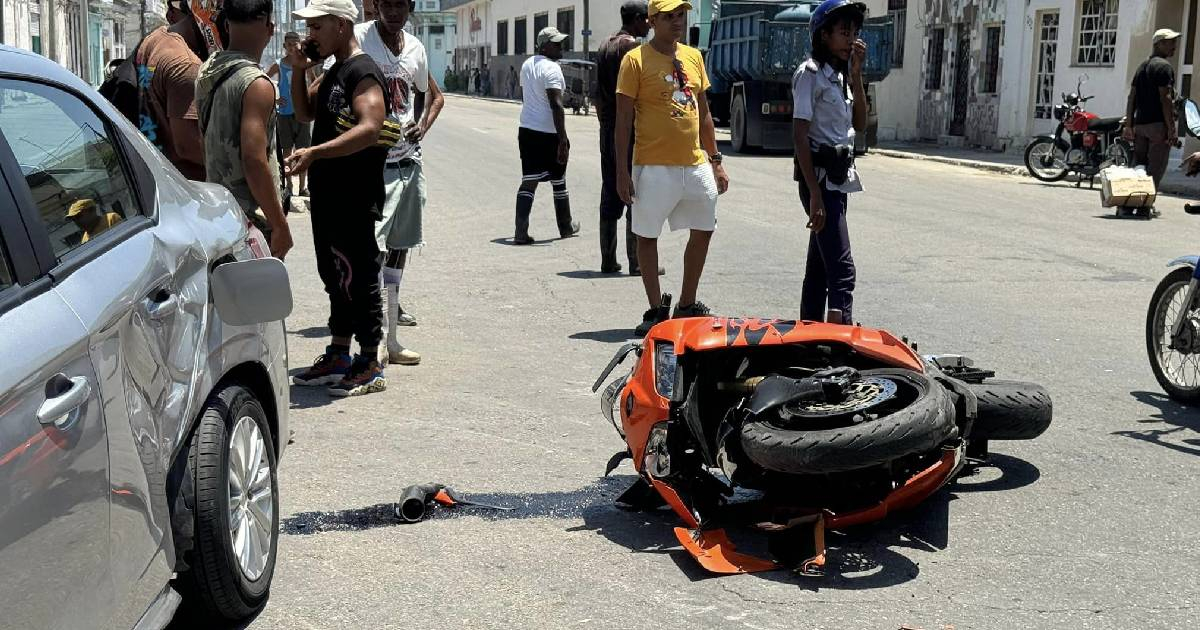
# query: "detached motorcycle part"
717,554
1011,410
926,423
617,359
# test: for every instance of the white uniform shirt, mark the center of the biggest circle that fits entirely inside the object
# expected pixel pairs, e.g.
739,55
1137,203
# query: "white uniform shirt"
819,97
406,74
539,74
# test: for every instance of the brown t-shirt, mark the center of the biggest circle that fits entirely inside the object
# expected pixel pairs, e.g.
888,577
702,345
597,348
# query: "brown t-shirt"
608,66
167,70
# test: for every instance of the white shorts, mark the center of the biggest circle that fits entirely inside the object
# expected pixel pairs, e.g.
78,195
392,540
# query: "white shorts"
686,196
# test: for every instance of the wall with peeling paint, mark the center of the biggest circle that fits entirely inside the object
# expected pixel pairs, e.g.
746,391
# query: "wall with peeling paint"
961,19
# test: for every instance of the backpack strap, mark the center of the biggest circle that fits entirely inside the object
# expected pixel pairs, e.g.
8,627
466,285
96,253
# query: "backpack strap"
207,113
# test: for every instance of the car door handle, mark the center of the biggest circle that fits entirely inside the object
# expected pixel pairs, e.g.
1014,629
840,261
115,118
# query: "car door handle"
61,410
161,305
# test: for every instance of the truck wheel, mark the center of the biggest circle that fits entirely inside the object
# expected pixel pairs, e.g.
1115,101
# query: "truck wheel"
232,460
737,124
1011,410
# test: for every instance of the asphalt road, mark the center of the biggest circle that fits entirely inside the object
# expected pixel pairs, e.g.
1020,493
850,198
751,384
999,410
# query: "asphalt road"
1091,526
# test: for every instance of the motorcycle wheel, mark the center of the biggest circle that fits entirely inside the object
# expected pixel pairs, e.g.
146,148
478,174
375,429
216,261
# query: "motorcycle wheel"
1119,154
1045,160
1178,373
927,421
1010,410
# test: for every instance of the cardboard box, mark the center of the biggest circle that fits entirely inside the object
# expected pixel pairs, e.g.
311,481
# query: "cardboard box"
1126,187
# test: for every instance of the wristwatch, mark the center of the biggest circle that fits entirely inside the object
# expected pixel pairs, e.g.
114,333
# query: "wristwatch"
716,158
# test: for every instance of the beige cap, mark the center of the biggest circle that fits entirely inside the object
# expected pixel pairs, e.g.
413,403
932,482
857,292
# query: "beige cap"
1164,34
549,34
337,8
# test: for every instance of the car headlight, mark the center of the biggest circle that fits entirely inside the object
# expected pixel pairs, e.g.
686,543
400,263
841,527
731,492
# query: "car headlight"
666,367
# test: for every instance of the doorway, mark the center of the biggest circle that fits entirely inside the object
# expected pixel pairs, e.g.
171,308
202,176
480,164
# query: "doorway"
1045,62
962,81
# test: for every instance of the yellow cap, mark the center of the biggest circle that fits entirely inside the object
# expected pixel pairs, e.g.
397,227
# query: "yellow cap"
667,6
81,206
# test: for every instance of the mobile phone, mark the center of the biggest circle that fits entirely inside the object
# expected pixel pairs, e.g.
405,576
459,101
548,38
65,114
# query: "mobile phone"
310,50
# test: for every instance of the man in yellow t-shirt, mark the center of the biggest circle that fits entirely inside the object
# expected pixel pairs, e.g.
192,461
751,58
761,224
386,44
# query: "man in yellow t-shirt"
86,215
677,172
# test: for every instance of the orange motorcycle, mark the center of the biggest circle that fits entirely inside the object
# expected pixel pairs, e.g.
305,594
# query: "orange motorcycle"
831,425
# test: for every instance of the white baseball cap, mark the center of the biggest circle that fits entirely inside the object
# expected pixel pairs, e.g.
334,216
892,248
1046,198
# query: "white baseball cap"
549,34
337,8
1165,34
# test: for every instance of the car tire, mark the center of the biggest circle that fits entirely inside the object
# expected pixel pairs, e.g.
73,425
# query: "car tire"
1010,410
228,577
922,426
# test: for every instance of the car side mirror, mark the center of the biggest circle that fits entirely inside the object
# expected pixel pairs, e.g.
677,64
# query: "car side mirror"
251,291
1191,116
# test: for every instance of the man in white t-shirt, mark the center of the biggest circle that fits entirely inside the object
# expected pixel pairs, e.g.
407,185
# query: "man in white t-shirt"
543,136
401,57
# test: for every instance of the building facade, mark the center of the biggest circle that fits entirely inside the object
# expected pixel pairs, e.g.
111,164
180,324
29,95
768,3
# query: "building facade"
988,73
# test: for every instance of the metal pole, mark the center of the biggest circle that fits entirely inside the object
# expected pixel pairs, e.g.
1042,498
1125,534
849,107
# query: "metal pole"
587,27
143,27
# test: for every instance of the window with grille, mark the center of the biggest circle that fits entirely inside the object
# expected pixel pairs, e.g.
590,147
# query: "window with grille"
502,37
520,33
937,51
898,10
566,25
1097,33
1047,60
990,76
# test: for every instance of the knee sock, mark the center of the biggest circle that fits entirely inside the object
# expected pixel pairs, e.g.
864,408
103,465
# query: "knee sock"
562,204
524,208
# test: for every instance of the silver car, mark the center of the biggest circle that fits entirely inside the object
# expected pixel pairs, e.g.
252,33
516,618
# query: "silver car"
143,373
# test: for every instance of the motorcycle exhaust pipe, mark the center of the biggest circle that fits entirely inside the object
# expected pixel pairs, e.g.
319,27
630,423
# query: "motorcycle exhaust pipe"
414,502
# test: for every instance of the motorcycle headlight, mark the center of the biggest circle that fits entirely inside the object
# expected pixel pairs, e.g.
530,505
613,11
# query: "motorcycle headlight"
666,368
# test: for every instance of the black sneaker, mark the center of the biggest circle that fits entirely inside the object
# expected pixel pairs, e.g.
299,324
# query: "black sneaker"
523,239
651,318
364,377
637,271
695,309
329,368
574,231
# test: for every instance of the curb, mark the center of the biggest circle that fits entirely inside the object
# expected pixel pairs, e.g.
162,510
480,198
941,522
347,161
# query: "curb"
1167,187
994,167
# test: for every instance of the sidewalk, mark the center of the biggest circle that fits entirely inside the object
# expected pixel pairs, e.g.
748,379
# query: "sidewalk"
1175,183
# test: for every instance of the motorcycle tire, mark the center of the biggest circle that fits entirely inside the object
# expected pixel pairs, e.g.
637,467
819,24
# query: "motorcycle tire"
1010,410
1049,175
1177,280
921,426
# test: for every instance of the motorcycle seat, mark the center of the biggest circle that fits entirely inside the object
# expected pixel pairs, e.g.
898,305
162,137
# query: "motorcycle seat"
1104,124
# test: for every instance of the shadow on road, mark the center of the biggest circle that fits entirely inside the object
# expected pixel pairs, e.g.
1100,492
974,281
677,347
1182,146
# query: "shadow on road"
1178,420
312,332
865,557
188,617
612,335
304,397
507,240
589,274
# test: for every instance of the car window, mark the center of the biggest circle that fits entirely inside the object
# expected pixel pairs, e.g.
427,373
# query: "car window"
72,167
6,275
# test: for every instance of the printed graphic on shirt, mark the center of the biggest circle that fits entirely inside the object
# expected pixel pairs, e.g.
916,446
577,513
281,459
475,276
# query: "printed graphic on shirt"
146,122
681,94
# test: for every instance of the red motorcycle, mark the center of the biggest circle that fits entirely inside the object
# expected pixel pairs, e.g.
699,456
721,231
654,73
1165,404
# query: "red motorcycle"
1083,144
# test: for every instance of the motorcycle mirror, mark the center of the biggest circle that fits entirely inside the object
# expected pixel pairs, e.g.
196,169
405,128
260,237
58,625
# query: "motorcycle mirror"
1191,114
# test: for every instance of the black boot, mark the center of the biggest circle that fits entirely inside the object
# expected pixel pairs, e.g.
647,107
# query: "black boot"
521,235
608,247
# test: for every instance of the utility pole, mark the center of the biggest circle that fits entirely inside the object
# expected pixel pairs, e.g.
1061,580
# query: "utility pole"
587,27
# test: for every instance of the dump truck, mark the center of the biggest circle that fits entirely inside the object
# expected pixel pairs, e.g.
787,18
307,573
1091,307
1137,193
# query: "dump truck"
754,49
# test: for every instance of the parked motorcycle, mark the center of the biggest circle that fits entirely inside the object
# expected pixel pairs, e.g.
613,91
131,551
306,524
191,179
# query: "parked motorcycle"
836,426
1083,144
1173,319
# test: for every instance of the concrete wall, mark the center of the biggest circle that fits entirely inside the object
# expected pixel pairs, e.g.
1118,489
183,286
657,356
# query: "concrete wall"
897,96
1136,22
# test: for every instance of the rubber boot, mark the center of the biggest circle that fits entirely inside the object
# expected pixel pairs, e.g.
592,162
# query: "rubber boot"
521,234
